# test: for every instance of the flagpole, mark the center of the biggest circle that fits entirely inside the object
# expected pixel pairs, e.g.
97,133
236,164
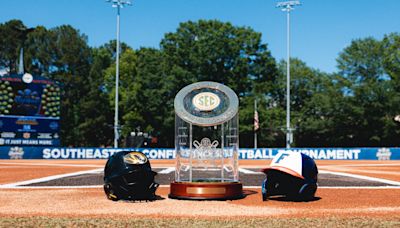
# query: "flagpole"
255,129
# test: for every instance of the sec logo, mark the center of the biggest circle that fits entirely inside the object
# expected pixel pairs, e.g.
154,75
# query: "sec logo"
206,101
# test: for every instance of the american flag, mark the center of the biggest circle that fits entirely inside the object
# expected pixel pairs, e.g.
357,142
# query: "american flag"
256,123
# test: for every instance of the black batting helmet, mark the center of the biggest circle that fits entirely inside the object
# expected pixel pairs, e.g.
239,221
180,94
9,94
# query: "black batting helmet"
128,176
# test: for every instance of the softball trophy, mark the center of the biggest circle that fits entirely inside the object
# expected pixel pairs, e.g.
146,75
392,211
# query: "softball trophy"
206,143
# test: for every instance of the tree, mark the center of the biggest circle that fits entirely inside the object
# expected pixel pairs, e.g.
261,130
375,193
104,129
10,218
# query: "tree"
312,104
142,94
62,54
158,120
391,64
39,52
391,59
13,35
369,92
354,107
95,125
216,51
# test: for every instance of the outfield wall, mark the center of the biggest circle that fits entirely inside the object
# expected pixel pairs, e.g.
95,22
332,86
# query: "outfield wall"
16,152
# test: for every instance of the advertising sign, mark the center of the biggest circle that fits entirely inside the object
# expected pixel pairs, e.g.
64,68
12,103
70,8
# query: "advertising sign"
43,152
29,110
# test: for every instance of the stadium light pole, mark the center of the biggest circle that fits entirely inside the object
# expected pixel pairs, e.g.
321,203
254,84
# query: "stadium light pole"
288,6
117,4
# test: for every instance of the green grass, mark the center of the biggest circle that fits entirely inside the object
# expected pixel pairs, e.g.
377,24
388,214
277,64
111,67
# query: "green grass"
198,222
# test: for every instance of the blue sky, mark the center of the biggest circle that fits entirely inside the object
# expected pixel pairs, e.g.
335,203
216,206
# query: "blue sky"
320,28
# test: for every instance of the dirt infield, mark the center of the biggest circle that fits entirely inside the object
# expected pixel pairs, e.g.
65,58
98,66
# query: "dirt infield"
92,203
18,198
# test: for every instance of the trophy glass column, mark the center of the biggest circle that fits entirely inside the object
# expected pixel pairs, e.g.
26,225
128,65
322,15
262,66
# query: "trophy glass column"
206,143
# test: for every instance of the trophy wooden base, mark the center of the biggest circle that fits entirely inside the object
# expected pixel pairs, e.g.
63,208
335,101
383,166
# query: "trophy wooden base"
206,190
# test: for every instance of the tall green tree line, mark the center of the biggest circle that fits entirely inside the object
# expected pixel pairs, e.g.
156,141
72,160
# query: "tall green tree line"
355,106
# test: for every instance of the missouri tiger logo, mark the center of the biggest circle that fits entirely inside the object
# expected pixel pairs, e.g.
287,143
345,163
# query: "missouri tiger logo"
135,158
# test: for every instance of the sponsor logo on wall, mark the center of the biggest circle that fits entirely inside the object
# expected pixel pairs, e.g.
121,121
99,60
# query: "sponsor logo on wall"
8,135
16,152
44,136
383,154
29,142
26,135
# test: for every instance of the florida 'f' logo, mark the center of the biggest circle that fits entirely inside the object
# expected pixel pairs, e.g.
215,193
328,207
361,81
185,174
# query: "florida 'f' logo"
281,157
135,158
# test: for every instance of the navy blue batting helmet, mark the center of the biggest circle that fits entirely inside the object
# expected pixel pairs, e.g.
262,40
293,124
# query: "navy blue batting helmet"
292,175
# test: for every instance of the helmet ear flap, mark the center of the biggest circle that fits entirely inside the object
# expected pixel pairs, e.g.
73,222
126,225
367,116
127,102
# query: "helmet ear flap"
307,191
110,192
264,190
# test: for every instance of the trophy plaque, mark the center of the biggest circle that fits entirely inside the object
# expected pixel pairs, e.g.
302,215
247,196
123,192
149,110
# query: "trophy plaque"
206,143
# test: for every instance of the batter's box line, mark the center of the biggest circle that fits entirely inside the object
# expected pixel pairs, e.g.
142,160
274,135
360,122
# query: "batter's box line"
361,165
49,178
21,185
49,164
381,180
93,171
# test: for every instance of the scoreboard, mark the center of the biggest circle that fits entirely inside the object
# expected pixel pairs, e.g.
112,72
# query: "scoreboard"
29,110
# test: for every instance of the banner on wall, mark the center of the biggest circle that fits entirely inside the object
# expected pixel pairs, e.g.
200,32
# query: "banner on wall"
29,110
18,152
